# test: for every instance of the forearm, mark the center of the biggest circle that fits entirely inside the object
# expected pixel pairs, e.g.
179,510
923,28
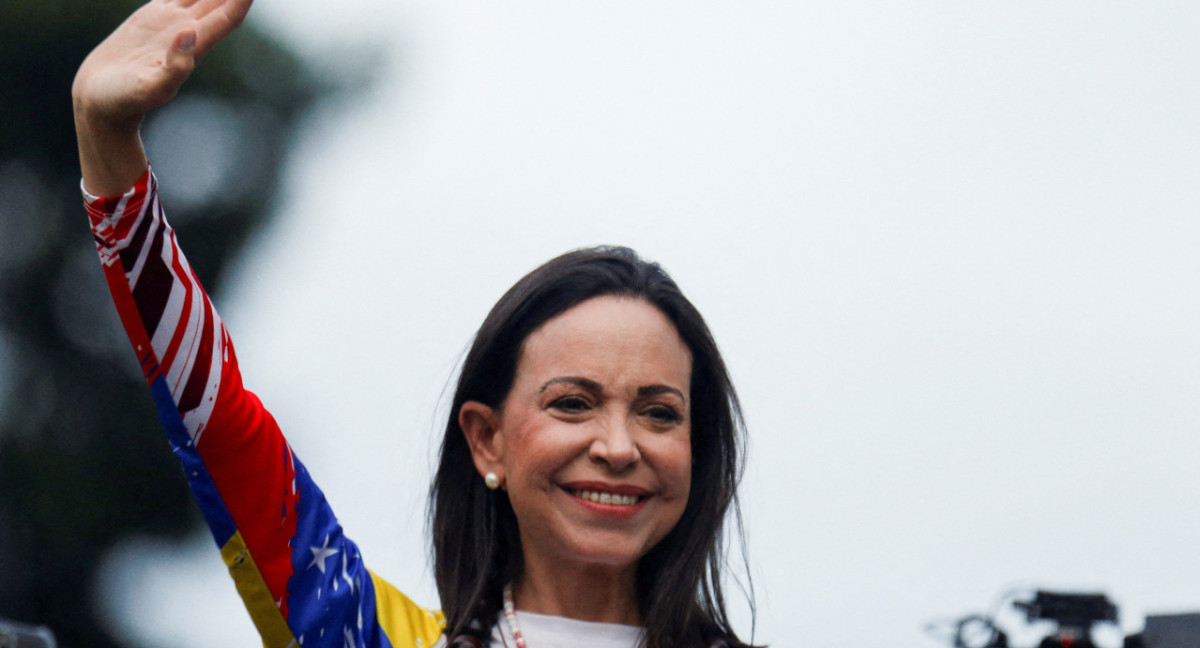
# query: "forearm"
296,571
235,458
111,158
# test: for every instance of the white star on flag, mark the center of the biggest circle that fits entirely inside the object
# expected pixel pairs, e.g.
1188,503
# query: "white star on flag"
346,574
320,554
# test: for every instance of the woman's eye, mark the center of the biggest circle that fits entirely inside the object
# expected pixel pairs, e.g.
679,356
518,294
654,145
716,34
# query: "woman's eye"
570,404
664,414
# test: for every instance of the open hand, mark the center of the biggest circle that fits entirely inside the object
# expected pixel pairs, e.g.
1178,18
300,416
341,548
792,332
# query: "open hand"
142,64
138,68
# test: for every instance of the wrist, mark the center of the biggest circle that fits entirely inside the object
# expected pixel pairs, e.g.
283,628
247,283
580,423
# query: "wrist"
94,121
111,156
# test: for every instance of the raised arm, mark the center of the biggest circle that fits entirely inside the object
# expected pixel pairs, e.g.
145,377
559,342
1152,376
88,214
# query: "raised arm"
138,68
303,582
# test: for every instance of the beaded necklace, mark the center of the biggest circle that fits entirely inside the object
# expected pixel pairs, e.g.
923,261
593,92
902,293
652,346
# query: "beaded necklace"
510,617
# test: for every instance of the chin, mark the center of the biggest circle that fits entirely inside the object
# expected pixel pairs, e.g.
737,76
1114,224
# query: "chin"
605,551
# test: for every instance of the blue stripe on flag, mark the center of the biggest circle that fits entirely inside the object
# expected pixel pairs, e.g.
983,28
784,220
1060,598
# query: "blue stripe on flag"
203,489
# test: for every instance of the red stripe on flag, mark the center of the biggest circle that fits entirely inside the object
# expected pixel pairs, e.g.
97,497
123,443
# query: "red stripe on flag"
250,465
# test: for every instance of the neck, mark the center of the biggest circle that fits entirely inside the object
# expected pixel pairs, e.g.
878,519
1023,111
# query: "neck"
589,593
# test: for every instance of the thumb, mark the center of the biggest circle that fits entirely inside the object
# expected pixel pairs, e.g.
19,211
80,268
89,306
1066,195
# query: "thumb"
181,57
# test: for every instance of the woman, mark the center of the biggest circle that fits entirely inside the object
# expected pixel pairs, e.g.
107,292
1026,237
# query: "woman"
589,460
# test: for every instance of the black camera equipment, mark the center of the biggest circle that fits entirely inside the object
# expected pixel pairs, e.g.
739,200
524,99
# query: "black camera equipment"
1074,613
1074,616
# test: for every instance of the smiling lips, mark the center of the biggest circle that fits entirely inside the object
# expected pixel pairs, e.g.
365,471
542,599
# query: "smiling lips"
606,498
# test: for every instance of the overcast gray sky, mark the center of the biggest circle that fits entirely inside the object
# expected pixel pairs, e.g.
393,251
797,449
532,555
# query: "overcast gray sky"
949,249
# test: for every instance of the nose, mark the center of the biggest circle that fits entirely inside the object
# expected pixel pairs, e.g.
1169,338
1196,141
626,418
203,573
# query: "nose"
615,445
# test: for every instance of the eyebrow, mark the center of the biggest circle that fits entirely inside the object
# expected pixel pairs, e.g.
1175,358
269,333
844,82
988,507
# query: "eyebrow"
595,387
584,383
655,390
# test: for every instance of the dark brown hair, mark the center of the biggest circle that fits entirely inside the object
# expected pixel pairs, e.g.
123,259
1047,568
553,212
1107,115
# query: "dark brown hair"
475,539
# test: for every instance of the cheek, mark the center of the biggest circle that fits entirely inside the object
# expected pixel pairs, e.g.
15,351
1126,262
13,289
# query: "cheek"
673,459
534,450
675,472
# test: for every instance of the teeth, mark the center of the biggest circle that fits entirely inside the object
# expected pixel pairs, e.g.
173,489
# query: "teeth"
606,498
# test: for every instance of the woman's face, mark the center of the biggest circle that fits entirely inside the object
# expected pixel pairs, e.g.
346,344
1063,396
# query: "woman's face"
593,441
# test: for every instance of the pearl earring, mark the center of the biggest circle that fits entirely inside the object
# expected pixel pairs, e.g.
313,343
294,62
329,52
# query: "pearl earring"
492,481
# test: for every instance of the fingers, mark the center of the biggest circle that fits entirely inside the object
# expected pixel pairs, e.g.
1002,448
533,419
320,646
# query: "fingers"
180,60
216,19
181,55
236,10
206,6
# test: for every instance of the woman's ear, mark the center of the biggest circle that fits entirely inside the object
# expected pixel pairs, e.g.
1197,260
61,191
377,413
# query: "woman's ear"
480,424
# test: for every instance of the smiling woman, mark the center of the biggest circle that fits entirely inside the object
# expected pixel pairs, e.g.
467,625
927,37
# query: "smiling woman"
589,463
593,377
596,459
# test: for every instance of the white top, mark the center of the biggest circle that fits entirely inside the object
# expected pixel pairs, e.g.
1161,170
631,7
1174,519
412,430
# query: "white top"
545,631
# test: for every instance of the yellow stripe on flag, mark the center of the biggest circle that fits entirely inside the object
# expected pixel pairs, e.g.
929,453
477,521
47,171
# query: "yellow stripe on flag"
404,622
255,595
